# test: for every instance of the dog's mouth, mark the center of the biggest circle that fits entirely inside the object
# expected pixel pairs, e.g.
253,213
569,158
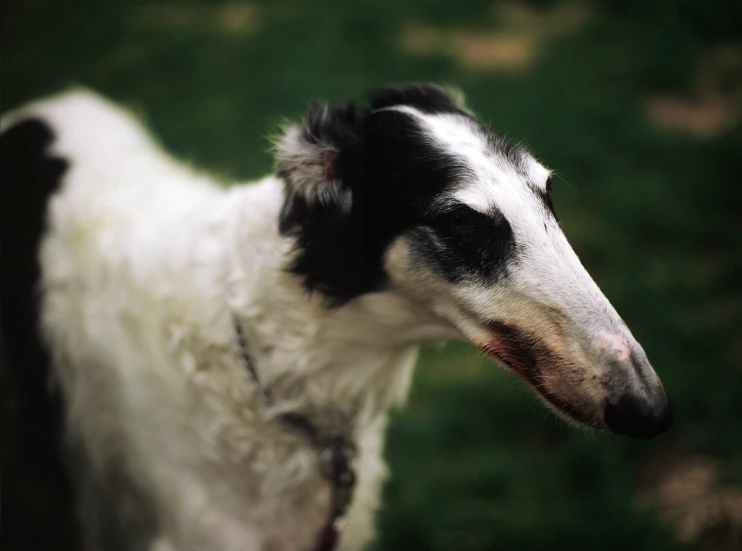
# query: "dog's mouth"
532,359
517,350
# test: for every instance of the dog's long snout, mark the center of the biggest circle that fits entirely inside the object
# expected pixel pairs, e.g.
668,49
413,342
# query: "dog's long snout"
637,405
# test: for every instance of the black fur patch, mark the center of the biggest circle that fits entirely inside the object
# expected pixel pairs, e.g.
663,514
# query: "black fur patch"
387,176
465,245
37,510
424,97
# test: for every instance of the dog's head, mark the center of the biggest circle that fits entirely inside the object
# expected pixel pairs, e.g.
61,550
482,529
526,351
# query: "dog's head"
413,193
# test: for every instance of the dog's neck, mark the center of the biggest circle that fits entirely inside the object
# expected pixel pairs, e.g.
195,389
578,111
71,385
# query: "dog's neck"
354,357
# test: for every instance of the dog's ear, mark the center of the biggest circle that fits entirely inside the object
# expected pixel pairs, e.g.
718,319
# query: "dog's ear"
308,155
320,163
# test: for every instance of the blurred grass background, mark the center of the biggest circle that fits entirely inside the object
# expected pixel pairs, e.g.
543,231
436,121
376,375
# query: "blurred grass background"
637,106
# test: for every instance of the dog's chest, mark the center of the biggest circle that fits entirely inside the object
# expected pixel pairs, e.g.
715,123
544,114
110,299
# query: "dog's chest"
262,461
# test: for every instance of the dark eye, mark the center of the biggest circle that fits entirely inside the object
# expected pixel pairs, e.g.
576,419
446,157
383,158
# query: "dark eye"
547,198
460,220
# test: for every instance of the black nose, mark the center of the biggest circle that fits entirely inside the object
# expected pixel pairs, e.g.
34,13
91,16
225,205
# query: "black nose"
637,417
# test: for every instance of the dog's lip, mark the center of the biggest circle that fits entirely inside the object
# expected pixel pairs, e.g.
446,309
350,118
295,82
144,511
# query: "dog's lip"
528,362
512,348
488,350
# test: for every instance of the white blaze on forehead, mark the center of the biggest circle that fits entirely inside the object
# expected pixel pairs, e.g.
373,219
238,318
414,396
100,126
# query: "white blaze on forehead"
493,180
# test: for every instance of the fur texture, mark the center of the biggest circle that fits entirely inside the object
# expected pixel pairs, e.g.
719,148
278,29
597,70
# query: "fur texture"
388,224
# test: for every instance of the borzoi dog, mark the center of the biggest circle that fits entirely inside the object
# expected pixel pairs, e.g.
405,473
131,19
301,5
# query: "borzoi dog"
227,355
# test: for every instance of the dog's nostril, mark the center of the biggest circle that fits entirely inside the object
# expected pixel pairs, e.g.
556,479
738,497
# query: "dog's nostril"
637,417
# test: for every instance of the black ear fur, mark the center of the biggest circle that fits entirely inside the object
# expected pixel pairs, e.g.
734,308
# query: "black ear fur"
307,154
319,210
337,127
323,165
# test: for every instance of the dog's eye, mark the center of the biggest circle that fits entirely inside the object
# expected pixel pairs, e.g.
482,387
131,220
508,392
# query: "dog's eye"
547,197
461,220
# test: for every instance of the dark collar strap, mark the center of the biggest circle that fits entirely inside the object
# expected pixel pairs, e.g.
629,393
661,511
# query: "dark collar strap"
335,448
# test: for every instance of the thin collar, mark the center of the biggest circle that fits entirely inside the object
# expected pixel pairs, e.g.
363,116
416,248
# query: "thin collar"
335,449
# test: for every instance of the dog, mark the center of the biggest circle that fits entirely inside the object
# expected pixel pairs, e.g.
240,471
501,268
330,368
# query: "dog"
226,355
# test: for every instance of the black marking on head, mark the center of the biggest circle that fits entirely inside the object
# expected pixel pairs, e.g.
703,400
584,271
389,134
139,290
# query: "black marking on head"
386,177
29,177
462,244
423,97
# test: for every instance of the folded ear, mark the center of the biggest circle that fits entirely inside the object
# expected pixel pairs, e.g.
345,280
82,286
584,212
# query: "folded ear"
308,154
317,162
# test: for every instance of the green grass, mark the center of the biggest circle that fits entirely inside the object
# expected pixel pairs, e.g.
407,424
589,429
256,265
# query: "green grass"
476,462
